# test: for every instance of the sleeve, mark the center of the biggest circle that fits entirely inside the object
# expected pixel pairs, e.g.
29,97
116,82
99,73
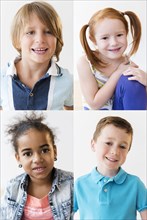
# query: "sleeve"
141,196
4,207
75,206
3,87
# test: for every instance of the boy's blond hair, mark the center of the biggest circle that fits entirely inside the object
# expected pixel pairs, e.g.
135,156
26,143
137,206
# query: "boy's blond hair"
46,14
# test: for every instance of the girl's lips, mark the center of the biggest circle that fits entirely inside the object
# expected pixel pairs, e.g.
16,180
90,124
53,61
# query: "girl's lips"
115,50
39,169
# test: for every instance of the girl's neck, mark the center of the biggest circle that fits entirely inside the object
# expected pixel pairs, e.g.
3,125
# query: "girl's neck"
111,66
39,188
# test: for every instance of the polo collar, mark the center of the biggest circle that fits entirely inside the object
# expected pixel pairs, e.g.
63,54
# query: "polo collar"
118,179
54,69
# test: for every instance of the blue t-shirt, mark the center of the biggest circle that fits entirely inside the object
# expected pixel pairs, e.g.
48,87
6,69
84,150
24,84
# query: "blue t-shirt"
119,197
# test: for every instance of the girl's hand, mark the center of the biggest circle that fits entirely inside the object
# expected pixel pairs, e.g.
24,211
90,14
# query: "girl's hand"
136,74
124,66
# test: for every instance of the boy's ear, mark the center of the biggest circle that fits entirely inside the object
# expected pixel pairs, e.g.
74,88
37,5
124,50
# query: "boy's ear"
17,157
93,145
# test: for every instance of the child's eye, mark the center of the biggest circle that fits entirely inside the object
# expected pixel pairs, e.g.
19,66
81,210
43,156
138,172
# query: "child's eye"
30,32
108,143
48,32
27,154
119,35
104,38
123,146
44,151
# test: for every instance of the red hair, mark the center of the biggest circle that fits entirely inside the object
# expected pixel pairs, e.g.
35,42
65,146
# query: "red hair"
135,27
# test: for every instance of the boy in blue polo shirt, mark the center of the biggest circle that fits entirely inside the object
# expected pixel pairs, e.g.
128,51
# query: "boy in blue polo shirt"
108,192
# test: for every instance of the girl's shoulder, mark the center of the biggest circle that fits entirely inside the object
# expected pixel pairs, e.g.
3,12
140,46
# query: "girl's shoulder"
82,61
18,179
64,174
14,185
85,65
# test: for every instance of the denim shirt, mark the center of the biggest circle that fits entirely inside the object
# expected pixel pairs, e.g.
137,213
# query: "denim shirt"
60,196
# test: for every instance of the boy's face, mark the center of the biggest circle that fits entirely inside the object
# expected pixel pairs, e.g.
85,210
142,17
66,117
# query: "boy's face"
36,154
111,147
37,43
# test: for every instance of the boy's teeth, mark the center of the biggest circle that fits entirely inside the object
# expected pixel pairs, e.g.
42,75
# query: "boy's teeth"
39,49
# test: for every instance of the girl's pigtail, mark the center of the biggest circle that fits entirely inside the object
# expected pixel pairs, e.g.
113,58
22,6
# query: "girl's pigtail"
83,40
91,55
135,27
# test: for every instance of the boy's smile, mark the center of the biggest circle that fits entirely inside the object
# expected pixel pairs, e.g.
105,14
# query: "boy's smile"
40,51
111,147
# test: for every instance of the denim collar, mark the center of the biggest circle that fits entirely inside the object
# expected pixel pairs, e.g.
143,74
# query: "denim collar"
58,178
118,179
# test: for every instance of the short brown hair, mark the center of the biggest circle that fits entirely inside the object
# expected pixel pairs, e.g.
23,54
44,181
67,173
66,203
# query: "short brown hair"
117,122
46,14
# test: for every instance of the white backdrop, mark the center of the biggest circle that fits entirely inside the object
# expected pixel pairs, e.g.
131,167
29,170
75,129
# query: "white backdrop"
83,11
62,124
65,11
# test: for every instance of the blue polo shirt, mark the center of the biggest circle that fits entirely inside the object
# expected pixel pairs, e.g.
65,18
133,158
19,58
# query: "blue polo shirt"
103,198
52,92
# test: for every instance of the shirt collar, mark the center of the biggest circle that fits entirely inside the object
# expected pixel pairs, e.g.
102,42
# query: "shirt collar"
54,69
118,179
57,180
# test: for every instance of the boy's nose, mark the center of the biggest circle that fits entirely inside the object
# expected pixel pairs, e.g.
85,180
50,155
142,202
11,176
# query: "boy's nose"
114,151
40,38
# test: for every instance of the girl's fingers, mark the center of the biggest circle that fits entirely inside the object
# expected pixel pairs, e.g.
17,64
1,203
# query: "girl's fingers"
133,78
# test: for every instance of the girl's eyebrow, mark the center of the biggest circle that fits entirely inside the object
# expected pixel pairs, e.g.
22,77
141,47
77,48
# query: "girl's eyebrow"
41,146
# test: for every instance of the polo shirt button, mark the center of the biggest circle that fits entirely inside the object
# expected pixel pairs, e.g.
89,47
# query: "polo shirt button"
105,190
31,94
105,180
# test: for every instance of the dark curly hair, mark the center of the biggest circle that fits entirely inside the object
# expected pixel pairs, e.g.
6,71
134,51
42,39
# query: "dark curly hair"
21,126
